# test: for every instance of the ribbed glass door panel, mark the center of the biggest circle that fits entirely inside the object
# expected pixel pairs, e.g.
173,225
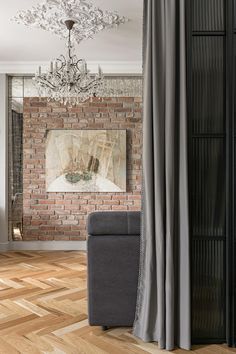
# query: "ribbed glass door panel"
208,214
208,264
208,15
207,168
208,84
207,187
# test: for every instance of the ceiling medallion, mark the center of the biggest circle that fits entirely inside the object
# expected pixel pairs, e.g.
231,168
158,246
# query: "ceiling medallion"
50,15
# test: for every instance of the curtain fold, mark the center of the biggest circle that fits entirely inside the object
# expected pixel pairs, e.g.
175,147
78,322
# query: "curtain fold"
163,304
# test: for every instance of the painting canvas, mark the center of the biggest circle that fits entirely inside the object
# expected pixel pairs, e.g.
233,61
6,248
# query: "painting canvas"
86,161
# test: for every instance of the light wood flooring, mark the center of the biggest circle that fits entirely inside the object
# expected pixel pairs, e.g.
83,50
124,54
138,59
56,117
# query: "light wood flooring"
43,309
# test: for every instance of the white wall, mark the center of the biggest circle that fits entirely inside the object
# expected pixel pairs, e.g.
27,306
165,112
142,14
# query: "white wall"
3,163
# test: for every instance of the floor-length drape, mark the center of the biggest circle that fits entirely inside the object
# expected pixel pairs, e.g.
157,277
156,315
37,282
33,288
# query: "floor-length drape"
163,304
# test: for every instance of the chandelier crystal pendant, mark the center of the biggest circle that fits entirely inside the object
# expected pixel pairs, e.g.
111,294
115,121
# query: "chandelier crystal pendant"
68,79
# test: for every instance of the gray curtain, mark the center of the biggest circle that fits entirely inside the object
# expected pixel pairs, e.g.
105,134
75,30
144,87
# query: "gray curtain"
163,304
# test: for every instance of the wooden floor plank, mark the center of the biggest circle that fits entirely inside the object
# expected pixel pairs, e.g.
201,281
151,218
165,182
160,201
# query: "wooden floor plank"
43,309
6,348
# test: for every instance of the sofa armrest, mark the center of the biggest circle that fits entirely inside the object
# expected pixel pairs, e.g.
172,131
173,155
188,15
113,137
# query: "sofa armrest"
113,268
114,223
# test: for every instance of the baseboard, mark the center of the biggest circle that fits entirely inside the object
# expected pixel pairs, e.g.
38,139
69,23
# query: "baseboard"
43,246
4,246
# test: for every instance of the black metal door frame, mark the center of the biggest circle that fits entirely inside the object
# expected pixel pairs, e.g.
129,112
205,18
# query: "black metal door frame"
230,161
229,241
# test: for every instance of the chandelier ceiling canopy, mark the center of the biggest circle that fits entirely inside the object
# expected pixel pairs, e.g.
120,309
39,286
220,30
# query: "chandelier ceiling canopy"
50,15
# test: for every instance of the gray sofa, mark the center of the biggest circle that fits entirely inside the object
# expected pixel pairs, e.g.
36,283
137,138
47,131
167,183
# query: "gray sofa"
113,267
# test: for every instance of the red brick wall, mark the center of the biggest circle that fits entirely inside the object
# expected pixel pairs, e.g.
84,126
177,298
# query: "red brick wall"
62,216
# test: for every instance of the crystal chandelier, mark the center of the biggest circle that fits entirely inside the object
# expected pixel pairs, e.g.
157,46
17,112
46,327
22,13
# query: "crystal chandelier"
68,79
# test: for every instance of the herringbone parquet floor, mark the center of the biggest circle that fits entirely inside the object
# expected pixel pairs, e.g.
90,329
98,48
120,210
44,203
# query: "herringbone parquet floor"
43,309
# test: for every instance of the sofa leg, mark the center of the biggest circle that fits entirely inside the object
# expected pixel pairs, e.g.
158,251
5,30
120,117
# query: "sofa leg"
104,328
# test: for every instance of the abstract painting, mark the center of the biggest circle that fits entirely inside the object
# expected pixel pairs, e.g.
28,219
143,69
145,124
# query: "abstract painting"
86,161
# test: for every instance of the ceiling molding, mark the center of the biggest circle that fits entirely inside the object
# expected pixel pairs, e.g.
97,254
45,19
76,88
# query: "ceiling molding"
108,67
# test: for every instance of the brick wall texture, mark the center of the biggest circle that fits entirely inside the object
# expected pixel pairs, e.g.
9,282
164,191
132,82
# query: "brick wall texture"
63,216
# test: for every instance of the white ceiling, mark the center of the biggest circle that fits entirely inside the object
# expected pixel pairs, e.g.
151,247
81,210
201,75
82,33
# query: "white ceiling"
19,43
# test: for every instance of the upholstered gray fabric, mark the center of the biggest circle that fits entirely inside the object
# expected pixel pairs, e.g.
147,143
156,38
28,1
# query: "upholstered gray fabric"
113,265
114,223
163,306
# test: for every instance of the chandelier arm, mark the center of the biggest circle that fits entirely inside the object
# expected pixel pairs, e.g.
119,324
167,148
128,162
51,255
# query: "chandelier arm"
91,84
60,61
61,58
63,82
46,83
77,64
63,65
50,85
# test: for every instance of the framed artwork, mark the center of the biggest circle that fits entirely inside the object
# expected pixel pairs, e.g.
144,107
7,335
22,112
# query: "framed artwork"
86,161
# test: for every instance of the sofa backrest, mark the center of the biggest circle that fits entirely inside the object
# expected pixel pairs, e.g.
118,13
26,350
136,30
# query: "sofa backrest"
114,223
